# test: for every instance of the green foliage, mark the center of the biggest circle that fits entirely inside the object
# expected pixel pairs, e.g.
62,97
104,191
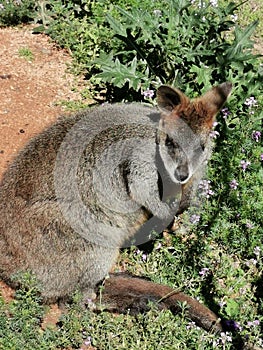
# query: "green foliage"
16,11
131,48
26,53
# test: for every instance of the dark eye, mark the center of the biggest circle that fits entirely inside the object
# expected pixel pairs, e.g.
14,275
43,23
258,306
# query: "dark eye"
202,146
169,142
171,145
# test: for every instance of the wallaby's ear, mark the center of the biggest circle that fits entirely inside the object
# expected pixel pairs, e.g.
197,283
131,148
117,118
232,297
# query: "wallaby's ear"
168,98
214,99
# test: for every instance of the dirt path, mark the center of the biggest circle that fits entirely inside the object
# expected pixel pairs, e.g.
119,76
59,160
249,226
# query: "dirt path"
30,90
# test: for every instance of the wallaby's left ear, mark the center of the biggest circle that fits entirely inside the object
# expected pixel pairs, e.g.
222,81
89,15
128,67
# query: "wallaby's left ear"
214,99
168,98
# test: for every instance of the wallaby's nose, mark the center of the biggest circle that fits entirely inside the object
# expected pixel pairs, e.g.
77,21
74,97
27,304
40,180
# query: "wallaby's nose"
181,174
183,177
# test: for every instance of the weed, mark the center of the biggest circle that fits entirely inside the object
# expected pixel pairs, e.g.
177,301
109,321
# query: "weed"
26,53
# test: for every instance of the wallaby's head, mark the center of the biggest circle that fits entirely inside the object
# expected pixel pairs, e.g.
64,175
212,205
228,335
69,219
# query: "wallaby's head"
185,127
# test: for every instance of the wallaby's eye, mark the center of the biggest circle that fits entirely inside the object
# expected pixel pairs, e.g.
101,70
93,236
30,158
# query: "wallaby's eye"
169,142
202,146
171,145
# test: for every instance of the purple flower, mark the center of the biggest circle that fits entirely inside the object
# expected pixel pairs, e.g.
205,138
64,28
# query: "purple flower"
222,304
249,225
148,93
204,271
144,257
159,246
213,3
251,262
157,13
254,323
87,341
225,111
234,18
244,164
261,157
224,338
233,184
205,188
257,251
251,102
194,219
213,134
256,135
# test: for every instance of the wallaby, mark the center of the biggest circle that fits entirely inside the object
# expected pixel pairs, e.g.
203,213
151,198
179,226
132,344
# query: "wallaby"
89,183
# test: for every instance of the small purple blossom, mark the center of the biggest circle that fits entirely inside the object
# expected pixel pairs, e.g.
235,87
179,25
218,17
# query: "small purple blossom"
261,157
254,323
213,3
224,338
192,325
204,272
159,246
194,219
144,257
157,13
222,304
256,135
257,251
234,18
148,93
249,225
225,111
87,342
214,134
251,262
233,184
251,102
244,164
205,188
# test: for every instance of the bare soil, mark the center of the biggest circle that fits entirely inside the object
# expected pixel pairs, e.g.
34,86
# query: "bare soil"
30,90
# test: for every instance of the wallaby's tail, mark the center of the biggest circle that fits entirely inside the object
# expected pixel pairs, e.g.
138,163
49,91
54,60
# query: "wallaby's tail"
122,292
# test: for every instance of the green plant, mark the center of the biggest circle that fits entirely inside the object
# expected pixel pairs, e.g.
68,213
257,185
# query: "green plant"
183,44
16,11
26,53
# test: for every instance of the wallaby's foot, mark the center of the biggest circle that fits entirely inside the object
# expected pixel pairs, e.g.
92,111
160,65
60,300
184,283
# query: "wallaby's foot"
122,293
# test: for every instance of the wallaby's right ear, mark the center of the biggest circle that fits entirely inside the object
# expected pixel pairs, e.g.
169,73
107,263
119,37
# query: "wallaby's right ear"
168,98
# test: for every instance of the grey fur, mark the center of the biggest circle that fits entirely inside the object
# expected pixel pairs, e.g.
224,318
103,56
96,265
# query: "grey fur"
82,189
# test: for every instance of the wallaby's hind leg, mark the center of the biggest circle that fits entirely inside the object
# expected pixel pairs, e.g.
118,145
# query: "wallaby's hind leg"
42,242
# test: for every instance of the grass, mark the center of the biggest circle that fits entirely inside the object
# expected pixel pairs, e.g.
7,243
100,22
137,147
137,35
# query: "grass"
216,258
26,53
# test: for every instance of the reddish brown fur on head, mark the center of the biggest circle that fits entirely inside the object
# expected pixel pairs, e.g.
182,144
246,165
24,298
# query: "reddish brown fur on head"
198,113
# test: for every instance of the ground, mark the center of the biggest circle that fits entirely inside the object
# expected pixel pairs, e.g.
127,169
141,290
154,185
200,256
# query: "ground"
30,90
